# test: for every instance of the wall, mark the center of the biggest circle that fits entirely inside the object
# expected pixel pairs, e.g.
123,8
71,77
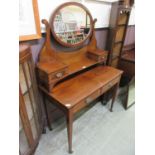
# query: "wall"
101,36
46,7
130,35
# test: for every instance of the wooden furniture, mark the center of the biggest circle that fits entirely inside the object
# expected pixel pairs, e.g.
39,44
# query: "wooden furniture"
127,61
128,2
118,25
30,120
130,94
71,80
127,64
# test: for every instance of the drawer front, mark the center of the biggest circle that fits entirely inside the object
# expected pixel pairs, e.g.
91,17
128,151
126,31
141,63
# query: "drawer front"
57,75
51,77
109,85
86,101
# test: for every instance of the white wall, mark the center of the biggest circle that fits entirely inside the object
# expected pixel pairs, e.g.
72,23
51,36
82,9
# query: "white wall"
132,17
99,10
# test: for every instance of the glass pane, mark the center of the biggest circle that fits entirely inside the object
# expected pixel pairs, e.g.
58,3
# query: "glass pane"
35,107
33,99
20,124
33,128
131,95
71,24
23,143
22,78
28,106
27,73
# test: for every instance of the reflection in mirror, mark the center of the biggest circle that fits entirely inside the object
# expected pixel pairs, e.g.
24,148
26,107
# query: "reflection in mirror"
71,24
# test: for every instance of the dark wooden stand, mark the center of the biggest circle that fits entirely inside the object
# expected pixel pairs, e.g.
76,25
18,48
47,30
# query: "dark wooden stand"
118,24
127,64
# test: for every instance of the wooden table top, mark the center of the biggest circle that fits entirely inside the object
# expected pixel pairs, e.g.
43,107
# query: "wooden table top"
128,56
79,87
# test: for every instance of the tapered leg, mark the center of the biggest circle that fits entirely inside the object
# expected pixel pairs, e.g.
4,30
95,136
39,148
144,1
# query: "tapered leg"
114,96
69,129
46,112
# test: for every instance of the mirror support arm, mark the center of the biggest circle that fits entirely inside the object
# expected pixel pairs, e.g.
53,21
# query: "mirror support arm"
92,46
47,53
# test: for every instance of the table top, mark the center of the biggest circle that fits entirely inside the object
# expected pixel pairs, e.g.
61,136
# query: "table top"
128,56
79,87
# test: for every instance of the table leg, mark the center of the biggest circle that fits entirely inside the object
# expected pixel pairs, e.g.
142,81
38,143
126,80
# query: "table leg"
114,96
69,129
46,112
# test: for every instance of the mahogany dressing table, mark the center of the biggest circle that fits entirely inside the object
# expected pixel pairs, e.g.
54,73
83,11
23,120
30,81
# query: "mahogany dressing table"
71,80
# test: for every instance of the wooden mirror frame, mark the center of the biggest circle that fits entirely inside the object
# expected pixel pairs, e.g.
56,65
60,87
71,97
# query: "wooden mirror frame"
52,20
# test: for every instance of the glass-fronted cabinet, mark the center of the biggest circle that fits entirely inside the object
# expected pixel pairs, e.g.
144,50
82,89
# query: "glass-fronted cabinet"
30,111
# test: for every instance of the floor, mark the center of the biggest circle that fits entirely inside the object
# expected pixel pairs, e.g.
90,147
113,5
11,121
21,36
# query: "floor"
96,131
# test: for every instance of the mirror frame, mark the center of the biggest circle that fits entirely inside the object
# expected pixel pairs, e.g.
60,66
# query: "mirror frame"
51,21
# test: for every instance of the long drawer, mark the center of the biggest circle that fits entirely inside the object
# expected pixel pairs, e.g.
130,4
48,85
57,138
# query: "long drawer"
110,85
85,102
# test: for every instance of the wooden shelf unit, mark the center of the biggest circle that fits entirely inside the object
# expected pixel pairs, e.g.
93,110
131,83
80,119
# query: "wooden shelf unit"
118,26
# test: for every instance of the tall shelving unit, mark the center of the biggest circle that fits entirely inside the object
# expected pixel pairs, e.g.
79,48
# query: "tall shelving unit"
119,18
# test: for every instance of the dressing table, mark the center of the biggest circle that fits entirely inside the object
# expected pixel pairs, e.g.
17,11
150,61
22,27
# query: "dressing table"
71,80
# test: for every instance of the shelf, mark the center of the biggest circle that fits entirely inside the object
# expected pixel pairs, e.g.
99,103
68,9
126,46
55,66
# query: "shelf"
115,57
121,25
118,42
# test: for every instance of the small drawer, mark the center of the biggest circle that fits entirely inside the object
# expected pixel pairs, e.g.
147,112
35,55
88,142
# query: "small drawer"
86,101
109,85
56,76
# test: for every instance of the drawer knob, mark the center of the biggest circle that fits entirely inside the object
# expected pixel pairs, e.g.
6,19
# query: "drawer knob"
110,84
88,100
59,75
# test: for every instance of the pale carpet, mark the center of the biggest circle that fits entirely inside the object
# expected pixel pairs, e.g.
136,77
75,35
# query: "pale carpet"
96,131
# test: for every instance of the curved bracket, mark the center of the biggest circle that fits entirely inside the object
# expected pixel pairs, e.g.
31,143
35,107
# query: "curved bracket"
47,53
92,46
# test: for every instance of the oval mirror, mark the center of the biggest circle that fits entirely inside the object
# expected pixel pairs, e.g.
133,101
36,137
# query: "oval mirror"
71,24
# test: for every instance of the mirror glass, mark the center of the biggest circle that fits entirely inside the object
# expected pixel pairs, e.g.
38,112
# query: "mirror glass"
71,25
